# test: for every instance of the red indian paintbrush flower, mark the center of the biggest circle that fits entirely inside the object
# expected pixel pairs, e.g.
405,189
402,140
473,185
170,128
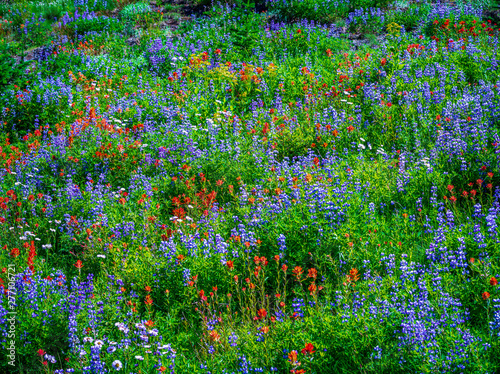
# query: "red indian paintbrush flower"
262,313
214,336
297,271
312,289
312,273
309,348
31,256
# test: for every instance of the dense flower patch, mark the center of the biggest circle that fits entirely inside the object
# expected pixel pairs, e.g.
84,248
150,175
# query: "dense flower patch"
251,193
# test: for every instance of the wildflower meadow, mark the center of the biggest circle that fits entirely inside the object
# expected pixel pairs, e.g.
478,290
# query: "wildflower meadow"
280,186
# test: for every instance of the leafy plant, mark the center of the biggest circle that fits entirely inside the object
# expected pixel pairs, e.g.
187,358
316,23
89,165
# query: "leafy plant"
356,4
409,17
96,5
131,10
310,9
98,24
10,72
52,12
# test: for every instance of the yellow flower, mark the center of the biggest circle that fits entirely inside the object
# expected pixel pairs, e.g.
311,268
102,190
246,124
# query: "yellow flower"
393,28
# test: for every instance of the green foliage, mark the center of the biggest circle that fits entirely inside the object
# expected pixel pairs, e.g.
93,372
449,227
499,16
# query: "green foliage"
51,9
410,17
52,12
4,9
474,69
10,72
18,17
131,10
55,64
310,9
101,5
37,34
356,4
321,11
242,24
98,24
171,8
476,3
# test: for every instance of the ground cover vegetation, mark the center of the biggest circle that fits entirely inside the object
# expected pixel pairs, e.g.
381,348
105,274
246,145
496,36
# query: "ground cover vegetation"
292,186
